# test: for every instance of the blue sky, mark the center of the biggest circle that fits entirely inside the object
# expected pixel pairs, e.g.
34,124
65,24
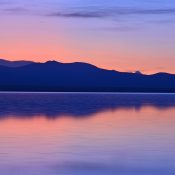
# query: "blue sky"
126,35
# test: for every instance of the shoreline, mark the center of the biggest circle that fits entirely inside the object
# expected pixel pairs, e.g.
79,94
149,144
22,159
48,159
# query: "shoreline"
85,92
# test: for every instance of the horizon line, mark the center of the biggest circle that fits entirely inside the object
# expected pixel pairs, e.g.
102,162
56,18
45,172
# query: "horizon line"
61,62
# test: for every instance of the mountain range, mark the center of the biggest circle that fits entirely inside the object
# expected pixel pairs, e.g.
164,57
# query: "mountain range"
78,77
8,63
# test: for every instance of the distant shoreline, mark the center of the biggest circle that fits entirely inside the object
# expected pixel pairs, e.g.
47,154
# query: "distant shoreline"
82,92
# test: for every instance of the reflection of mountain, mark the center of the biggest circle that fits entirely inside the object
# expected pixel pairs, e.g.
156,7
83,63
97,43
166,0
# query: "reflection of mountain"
55,76
53,105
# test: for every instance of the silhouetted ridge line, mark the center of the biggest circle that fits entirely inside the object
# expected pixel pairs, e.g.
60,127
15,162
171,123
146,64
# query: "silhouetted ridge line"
19,63
79,76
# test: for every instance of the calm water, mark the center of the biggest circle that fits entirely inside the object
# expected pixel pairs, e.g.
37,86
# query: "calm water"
87,134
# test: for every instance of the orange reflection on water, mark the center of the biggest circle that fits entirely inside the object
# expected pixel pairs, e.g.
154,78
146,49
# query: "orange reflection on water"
105,124
131,136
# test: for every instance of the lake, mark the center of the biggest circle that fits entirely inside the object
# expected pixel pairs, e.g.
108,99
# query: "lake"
87,134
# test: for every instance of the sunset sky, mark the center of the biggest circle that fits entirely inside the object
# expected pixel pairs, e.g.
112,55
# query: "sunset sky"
125,35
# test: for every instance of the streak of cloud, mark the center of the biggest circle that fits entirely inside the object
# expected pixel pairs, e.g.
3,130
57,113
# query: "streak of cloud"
113,13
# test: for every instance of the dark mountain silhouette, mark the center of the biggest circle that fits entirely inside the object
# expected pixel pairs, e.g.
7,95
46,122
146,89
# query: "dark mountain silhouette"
55,76
14,63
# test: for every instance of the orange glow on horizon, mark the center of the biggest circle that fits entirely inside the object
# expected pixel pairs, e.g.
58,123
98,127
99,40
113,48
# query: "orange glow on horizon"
40,42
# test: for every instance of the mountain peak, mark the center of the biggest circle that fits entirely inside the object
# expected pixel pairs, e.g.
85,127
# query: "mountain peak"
79,76
138,72
52,62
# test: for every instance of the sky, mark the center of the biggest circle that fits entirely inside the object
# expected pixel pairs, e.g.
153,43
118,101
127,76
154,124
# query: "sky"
124,35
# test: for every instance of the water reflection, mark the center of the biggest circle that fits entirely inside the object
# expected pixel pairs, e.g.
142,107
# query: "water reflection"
97,134
53,105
